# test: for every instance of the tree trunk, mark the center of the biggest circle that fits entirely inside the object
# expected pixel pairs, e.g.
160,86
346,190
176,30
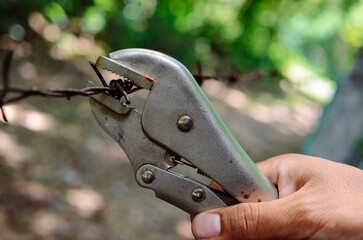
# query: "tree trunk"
341,126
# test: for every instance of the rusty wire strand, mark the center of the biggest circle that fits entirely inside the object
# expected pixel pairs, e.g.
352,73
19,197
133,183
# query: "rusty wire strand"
121,89
114,89
59,93
234,78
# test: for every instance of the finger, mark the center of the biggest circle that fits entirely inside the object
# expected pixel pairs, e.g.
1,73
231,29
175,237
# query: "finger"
272,167
288,172
269,168
270,220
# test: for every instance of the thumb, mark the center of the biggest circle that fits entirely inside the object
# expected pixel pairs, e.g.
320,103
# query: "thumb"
268,220
278,219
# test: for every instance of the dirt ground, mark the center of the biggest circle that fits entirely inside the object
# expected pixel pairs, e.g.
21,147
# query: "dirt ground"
62,177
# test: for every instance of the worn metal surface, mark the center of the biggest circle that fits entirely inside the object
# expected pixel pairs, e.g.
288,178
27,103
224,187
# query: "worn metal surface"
112,103
208,144
178,190
126,130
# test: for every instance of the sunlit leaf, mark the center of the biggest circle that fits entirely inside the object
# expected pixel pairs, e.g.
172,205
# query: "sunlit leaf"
93,20
107,5
56,13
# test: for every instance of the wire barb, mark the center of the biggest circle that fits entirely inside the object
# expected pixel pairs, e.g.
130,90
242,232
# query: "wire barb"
121,85
99,75
6,70
3,114
121,89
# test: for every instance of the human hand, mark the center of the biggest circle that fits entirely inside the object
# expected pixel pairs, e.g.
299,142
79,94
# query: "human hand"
318,199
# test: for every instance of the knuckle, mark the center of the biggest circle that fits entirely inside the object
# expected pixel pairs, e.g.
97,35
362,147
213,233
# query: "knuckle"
247,220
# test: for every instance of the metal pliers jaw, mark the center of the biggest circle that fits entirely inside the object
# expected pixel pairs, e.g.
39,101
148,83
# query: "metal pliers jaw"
177,121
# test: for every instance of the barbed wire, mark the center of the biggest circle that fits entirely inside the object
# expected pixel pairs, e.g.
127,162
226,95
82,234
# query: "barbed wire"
117,88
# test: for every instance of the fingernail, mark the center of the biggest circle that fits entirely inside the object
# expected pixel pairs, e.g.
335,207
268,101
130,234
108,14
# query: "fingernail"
207,226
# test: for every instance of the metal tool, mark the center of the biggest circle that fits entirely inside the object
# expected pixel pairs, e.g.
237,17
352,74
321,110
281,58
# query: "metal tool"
177,125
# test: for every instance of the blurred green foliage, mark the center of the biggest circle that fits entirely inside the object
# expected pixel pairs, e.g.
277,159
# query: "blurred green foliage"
311,43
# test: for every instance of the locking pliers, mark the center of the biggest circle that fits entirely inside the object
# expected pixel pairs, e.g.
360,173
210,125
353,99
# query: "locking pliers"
178,124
